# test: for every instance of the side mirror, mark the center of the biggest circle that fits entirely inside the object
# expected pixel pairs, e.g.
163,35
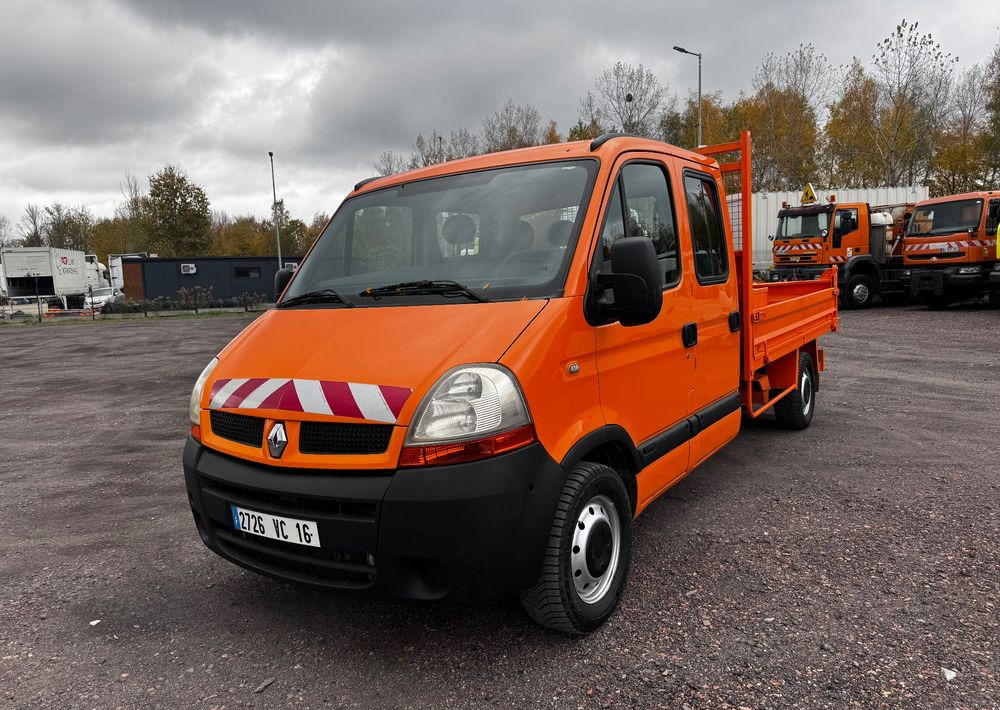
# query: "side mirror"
635,281
281,280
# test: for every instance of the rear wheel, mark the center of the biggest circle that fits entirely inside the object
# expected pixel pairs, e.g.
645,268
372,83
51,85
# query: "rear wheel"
860,291
795,410
587,555
995,299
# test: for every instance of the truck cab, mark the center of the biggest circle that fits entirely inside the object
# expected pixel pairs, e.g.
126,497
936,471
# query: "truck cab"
484,370
951,247
849,235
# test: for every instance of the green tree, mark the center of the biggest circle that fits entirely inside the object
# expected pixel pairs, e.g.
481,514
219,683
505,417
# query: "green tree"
849,157
584,131
990,136
178,213
960,161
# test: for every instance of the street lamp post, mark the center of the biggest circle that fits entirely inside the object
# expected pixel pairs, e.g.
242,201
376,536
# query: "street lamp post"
274,208
695,54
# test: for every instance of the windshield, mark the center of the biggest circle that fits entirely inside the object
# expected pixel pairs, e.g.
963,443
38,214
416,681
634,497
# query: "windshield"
945,218
102,291
803,225
506,233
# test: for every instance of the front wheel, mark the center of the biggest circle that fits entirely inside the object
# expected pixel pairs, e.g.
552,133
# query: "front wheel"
860,291
587,555
795,409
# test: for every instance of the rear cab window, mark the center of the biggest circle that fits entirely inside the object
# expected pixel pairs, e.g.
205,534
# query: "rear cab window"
708,237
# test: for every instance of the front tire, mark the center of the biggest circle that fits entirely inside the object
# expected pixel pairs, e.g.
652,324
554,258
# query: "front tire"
795,410
860,291
587,555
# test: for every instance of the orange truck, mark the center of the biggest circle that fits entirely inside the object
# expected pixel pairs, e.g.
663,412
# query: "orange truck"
860,240
484,370
951,248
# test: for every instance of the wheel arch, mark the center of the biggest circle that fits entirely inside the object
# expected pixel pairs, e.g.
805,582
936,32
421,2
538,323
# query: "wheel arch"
863,264
612,446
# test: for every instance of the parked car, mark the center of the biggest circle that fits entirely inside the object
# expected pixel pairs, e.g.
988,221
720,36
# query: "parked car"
100,296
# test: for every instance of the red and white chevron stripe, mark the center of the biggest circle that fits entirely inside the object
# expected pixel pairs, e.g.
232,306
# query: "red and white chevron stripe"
951,246
838,259
380,403
790,248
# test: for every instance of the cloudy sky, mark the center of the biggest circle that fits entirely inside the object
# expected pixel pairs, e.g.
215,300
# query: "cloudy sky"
90,90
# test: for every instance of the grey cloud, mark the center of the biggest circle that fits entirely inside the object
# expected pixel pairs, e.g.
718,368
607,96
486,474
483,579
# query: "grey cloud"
88,90
74,79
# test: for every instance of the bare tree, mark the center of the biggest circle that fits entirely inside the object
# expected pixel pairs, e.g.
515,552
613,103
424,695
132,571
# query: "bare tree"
913,76
131,212
789,91
463,143
512,126
427,151
626,97
960,162
32,226
7,233
389,162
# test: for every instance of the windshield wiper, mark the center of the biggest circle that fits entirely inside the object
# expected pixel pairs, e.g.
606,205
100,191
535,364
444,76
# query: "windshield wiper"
421,288
323,295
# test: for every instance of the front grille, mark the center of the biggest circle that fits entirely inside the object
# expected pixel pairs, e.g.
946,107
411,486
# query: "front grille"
339,438
347,532
240,428
291,505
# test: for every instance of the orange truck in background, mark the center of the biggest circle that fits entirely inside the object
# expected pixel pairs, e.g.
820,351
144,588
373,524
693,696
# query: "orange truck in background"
485,369
863,242
951,248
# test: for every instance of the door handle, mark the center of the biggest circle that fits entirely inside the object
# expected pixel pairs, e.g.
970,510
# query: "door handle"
734,322
689,334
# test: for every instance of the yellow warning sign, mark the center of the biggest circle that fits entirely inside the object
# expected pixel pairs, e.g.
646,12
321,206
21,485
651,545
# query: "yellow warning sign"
808,194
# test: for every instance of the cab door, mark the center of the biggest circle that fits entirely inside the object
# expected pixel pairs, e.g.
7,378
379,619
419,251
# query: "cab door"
714,347
645,372
846,236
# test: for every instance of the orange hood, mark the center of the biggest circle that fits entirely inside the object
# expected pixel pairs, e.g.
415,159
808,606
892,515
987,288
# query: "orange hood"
402,350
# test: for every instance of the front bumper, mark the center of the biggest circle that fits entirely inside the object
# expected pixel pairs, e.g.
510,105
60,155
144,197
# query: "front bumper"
463,532
947,282
798,273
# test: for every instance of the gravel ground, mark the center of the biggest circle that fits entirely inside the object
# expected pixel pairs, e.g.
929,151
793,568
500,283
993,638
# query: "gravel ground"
844,566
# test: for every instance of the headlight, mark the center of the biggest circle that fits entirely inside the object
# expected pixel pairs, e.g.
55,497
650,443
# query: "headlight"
469,402
194,406
970,269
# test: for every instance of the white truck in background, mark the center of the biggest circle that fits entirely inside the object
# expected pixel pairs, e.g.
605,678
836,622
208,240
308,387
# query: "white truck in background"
49,273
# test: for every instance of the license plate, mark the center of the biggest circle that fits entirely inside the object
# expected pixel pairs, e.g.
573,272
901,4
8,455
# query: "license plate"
275,527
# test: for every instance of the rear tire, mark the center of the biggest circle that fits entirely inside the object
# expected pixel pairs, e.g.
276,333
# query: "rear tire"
587,555
860,291
994,299
795,410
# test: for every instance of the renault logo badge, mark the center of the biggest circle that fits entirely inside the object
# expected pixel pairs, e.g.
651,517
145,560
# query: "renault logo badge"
277,440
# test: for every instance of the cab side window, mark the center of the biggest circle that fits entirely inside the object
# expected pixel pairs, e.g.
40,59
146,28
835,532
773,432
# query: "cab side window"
711,259
992,217
647,211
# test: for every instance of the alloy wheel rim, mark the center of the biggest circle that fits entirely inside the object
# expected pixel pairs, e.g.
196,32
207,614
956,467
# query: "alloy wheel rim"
596,548
861,293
